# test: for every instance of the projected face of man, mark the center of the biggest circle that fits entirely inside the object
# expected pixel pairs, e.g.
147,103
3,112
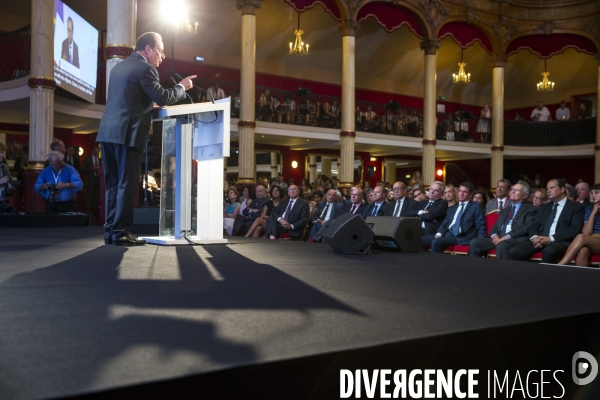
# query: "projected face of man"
70,30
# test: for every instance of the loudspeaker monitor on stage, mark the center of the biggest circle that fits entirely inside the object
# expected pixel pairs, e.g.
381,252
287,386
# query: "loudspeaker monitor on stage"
399,234
348,234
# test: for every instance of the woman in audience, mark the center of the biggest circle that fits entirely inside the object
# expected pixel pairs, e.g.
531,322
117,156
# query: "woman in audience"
259,226
345,193
248,194
483,124
450,195
588,241
366,186
479,196
231,210
265,108
305,188
415,180
316,199
539,197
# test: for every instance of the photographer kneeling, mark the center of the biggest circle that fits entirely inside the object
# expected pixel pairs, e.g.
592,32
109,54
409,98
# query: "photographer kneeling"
58,184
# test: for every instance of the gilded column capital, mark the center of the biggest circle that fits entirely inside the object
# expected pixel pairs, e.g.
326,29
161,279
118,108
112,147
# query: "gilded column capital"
430,46
435,13
498,60
348,27
248,6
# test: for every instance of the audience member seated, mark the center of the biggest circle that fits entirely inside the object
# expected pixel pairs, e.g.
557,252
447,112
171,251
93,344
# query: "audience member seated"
401,205
356,204
432,212
450,195
583,194
259,225
264,109
588,241
231,210
464,221
253,210
58,184
539,197
215,92
557,224
501,201
479,197
248,195
327,210
378,207
6,188
290,217
317,197
419,195
512,226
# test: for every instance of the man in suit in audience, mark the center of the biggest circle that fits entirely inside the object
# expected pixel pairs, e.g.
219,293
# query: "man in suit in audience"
58,145
556,225
356,204
91,165
291,216
419,195
327,210
511,227
401,205
432,211
379,207
464,221
583,193
501,201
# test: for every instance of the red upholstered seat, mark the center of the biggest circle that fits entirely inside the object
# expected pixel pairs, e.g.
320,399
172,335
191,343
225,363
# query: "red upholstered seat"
490,220
492,253
283,236
449,249
537,256
595,259
461,249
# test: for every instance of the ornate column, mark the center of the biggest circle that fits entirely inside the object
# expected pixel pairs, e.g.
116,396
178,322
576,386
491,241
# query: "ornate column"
312,168
274,171
430,48
326,167
390,171
597,147
497,167
120,33
348,133
41,100
246,124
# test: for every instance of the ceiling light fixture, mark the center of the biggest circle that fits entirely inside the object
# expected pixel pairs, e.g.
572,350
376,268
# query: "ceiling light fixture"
298,47
545,85
461,76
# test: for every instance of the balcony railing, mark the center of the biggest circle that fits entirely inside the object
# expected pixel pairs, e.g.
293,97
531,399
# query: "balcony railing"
16,48
555,133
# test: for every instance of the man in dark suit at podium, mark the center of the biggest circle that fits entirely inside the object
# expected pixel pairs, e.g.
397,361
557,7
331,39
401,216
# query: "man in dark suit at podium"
133,90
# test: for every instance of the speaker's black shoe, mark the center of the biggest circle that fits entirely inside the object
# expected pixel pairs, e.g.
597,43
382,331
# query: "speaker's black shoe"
128,240
108,239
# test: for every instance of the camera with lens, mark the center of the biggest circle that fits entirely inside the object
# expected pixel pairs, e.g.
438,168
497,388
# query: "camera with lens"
52,188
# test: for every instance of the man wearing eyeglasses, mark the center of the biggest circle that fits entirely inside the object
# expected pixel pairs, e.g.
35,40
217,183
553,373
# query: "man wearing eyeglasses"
401,204
502,200
133,91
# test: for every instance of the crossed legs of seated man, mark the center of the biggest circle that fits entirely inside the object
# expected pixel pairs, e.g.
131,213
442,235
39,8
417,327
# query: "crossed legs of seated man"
439,244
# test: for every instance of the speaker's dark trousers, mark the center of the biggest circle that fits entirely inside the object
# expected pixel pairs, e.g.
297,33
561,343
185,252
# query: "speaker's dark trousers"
122,167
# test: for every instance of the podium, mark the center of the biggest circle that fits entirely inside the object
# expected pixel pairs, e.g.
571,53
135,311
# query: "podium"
192,133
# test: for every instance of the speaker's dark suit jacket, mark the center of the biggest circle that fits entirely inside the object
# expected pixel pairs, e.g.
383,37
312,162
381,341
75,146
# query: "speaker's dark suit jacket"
132,91
568,226
298,217
519,233
408,206
65,52
347,207
383,211
434,217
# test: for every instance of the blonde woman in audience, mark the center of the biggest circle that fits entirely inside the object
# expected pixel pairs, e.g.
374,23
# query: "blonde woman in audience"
539,197
450,195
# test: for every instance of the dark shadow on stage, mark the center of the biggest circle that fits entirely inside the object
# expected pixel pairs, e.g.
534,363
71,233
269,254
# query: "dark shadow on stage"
72,325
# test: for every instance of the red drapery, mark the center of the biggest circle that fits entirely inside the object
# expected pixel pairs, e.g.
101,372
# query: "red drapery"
329,6
391,17
465,35
546,46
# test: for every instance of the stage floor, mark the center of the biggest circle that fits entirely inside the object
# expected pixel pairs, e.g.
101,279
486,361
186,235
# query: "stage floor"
78,317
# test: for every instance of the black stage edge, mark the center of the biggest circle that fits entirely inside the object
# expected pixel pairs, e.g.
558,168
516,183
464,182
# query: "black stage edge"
43,220
547,345
277,319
